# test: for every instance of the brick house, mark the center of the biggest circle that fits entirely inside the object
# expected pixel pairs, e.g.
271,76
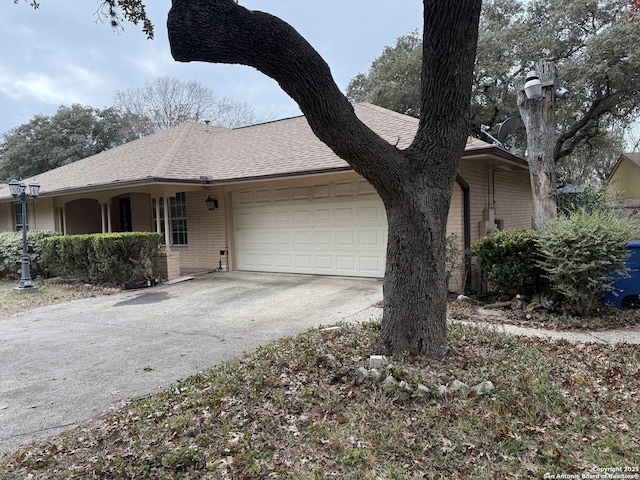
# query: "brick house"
285,202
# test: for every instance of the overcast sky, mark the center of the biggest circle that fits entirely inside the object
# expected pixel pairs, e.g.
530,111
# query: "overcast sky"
60,55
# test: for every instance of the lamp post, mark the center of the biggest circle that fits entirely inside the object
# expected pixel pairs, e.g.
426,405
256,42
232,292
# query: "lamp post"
536,96
19,191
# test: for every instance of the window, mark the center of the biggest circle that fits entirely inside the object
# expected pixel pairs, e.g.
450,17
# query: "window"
18,215
177,218
154,202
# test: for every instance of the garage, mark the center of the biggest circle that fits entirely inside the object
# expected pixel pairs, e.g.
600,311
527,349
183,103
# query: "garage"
336,228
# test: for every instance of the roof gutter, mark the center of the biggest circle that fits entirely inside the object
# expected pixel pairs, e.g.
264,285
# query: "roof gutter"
501,154
116,186
207,181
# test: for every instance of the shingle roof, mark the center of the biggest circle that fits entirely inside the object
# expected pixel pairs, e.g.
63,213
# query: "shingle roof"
194,152
634,157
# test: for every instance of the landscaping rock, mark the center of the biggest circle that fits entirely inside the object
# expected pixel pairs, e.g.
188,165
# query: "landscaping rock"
423,390
483,388
378,361
335,328
458,386
374,375
360,376
404,390
389,385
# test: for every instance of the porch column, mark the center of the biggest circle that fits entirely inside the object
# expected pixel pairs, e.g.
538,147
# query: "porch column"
103,216
63,219
158,219
109,216
167,226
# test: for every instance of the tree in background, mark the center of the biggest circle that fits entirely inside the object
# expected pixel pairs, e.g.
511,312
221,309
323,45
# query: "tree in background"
73,133
79,131
168,102
594,44
393,81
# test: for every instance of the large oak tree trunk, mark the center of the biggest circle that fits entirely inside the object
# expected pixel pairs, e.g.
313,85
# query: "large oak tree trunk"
415,184
415,286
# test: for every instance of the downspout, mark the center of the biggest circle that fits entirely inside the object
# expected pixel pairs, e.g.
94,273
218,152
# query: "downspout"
466,213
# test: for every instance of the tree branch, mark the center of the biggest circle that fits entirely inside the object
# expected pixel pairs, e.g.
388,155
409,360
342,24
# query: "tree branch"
598,108
220,31
442,46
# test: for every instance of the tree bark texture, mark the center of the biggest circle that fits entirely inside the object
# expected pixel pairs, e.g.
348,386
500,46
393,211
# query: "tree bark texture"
415,184
539,118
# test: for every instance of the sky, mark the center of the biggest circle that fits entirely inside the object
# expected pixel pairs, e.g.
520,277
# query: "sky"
60,54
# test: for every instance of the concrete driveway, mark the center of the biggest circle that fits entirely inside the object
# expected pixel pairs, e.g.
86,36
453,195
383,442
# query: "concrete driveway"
64,364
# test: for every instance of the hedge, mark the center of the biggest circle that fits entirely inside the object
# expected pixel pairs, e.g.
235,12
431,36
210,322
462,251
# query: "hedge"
106,258
11,253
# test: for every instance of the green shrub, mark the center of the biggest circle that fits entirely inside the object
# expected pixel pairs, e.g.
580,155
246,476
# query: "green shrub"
508,258
11,253
111,258
68,256
582,253
454,257
590,199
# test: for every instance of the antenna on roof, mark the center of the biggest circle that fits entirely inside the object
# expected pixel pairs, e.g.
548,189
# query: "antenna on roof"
506,131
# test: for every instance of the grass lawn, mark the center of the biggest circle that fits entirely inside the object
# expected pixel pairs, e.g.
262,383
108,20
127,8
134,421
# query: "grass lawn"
12,302
293,410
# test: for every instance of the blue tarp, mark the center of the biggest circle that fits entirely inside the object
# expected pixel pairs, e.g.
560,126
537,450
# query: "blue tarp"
626,293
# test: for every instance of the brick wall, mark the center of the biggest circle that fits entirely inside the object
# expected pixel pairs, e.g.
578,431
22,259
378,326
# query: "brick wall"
141,215
476,177
507,192
496,194
42,214
513,200
455,225
6,217
169,265
206,232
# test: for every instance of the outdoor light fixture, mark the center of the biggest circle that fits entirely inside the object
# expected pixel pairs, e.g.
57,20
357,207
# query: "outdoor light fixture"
532,85
212,203
19,191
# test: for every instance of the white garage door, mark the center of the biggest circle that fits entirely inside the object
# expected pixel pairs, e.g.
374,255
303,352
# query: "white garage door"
332,229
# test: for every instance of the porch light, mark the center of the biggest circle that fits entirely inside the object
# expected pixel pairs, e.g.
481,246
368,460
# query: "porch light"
533,85
212,203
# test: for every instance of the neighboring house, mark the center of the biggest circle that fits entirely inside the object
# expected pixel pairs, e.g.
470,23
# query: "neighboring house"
285,201
623,183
